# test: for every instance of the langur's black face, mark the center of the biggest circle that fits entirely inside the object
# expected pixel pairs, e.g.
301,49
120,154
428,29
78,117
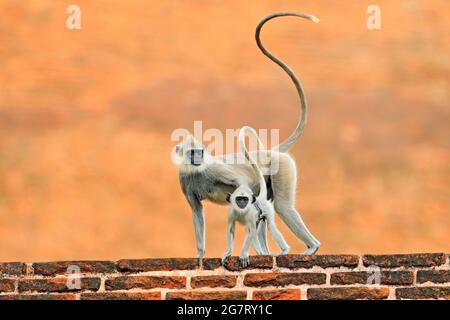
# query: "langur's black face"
195,156
241,201
191,155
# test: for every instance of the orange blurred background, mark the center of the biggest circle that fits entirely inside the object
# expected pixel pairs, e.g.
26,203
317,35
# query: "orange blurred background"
86,117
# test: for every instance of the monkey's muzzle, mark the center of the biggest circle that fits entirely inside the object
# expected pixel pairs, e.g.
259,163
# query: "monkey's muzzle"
241,202
196,156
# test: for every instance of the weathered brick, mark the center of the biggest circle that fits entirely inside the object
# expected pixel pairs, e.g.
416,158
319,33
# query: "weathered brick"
423,293
66,296
386,277
44,296
294,261
13,268
169,264
206,295
9,297
121,296
7,285
145,282
347,293
57,268
211,263
435,276
405,260
283,279
284,294
232,263
213,281
57,284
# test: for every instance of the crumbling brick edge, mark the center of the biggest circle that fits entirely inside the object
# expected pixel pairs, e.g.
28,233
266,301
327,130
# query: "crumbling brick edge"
289,277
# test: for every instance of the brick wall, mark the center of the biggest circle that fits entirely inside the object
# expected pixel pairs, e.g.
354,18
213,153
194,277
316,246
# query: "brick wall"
403,276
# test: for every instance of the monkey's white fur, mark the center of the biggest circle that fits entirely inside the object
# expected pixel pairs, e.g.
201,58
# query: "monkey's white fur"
257,209
206,177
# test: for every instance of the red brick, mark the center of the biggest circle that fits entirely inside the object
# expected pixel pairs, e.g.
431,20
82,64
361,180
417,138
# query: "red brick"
232,263
435,276
57,268
7,285
294,261
285,294
145,282
13,268
121,296
9,297
386,277
405,260
206,295
423,293
56,285
44,296
213,281
169,264
347,293
283,279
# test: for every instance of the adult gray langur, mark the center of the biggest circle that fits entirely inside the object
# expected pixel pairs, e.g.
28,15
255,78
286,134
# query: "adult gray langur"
206,177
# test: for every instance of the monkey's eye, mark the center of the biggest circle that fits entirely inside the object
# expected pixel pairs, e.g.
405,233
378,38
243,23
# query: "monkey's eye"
177,148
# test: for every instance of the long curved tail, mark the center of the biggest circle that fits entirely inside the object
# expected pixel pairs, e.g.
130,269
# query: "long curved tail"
286,145
262,182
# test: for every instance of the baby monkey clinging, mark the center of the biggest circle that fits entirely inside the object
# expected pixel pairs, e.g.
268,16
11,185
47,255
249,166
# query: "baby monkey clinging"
252,211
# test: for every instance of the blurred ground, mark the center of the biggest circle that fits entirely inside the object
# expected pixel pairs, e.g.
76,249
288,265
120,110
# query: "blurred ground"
86,117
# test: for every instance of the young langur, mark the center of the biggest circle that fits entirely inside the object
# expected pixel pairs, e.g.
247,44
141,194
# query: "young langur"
249,210
207,177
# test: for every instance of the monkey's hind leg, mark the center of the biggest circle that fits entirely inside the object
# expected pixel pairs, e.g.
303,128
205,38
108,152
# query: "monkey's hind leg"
278,237
284,185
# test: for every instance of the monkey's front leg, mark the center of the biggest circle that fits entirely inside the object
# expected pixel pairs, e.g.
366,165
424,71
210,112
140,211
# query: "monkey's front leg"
199,225
250,238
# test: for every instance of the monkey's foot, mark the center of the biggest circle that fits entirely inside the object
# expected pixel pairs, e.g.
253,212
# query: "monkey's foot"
311,250
244,261
283,252
200,254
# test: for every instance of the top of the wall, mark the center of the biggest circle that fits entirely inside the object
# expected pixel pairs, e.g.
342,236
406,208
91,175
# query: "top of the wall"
389,261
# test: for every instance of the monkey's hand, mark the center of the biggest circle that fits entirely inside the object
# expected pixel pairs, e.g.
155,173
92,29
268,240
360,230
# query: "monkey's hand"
244,260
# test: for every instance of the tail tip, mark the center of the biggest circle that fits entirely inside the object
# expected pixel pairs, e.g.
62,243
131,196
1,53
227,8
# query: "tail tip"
315,19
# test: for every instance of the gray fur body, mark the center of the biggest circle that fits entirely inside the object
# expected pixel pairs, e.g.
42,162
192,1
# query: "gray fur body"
212,178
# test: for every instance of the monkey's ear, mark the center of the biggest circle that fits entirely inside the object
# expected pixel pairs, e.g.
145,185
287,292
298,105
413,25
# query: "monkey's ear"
228,197
254,199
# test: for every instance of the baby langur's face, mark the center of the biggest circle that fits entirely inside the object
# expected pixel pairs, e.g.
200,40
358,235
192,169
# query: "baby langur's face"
241,198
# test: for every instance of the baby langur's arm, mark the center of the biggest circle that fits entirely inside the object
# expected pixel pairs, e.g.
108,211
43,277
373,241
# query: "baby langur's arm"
250,238
230,237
